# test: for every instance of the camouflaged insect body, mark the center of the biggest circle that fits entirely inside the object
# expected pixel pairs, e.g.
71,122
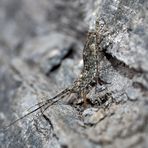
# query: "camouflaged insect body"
89,72
89,76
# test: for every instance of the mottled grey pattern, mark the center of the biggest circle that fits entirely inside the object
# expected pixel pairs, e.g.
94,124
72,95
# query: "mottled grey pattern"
117,112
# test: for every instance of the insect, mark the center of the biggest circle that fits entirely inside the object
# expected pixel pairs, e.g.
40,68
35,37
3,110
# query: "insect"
89,76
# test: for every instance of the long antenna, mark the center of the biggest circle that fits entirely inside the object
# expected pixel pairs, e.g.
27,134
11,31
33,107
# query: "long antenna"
46,102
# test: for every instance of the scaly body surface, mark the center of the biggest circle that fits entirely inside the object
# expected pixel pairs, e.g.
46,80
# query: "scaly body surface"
88,78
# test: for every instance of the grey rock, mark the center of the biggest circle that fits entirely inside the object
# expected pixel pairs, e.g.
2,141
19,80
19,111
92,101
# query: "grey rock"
35,37
48,51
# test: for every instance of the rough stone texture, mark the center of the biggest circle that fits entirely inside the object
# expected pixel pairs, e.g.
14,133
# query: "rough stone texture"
41,53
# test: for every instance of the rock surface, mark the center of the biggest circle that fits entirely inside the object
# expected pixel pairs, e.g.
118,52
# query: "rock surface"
41,54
